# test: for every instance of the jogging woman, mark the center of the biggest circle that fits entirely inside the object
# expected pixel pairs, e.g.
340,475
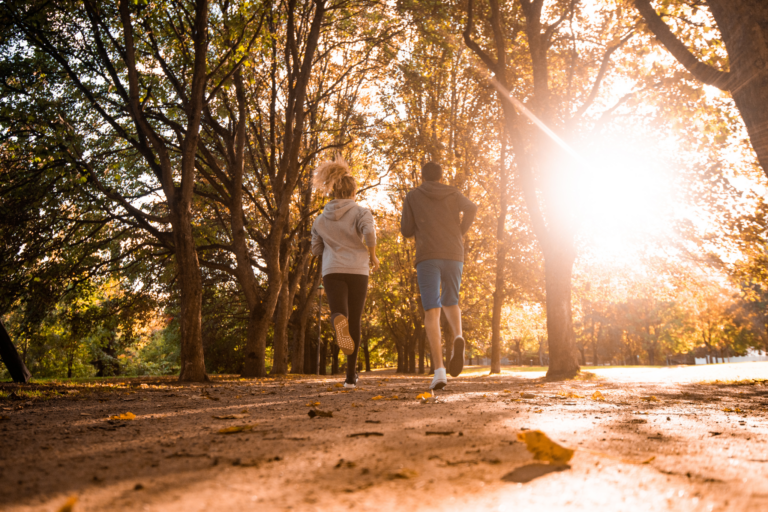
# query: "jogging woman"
345,236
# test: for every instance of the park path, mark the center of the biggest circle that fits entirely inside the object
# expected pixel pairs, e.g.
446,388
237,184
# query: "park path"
659,440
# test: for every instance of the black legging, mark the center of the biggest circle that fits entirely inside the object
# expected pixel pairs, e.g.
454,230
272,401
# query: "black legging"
346,295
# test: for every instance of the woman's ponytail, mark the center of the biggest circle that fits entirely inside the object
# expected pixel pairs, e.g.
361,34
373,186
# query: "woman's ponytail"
333,177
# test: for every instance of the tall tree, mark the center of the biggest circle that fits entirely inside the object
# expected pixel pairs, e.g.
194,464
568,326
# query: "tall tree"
137,92
743,25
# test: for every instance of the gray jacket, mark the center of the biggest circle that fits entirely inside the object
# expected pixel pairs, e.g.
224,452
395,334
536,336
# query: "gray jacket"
433,214
341,234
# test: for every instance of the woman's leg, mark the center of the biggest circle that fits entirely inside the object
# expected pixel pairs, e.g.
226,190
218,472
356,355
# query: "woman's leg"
358,289
337,292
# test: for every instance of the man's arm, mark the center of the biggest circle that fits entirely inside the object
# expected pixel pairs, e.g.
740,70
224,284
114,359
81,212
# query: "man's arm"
469,209
407,223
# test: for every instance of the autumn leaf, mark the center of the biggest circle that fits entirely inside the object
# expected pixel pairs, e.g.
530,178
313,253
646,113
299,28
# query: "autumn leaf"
231,417
424,395
569,394
527,395
650,398
320,414
506,391
69,505
404,474
377,397
339,385
312,404
235,429
543,448
598,396
126,416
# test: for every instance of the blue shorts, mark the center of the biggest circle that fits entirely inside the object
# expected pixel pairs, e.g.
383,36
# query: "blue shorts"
439,282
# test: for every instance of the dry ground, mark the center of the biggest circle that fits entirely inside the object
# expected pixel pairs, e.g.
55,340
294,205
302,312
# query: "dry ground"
56,442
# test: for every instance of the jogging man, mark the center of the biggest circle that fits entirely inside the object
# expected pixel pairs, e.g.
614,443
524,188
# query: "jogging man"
433,214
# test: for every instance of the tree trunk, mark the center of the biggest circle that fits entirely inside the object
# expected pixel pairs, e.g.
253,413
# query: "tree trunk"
501,257
334,359
191,285
562,357
9,356
280,339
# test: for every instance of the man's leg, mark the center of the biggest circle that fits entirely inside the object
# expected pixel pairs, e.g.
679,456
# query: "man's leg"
449,298
432,326
453,315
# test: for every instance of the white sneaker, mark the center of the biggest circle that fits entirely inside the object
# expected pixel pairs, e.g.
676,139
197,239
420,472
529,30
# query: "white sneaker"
439,381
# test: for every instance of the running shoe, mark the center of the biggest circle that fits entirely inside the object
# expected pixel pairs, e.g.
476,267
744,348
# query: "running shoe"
343,339
353,384
439,381
457,361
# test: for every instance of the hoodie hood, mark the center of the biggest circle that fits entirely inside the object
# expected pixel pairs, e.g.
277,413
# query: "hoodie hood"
435,190
336,209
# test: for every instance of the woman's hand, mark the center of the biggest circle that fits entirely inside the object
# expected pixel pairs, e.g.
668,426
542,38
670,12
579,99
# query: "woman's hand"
374,259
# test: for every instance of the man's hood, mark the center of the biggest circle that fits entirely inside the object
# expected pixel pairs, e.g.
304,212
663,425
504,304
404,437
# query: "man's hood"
336,209
436,190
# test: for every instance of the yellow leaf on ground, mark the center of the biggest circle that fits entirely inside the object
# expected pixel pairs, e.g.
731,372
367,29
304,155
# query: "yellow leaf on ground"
312,404
538,411
355,405
126,416
728,409
69,505
236,429
543,448
650,398
244,411
597,396
424,395
339,385
527,395
506,391
377,397
737,410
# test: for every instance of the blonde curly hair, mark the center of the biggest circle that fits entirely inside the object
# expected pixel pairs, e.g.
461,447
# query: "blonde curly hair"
333,177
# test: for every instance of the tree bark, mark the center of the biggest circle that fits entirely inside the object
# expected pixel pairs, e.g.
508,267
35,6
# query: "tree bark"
501,256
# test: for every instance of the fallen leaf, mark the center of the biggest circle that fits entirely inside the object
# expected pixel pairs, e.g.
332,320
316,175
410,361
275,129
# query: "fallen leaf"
404,474
506,391
377,397
424,395
231,417
598,396
356,405
339,385
312,404
244,411
538,411
69,505
320,414
543,448
126,416
235,429
650,399
527,395
728,409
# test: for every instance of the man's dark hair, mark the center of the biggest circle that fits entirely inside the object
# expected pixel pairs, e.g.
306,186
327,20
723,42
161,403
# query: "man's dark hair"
431,171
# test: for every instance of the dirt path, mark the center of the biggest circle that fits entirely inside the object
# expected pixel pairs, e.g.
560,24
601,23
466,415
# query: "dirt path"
172,457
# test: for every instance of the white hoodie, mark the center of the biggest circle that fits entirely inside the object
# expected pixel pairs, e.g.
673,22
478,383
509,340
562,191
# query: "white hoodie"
340,235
